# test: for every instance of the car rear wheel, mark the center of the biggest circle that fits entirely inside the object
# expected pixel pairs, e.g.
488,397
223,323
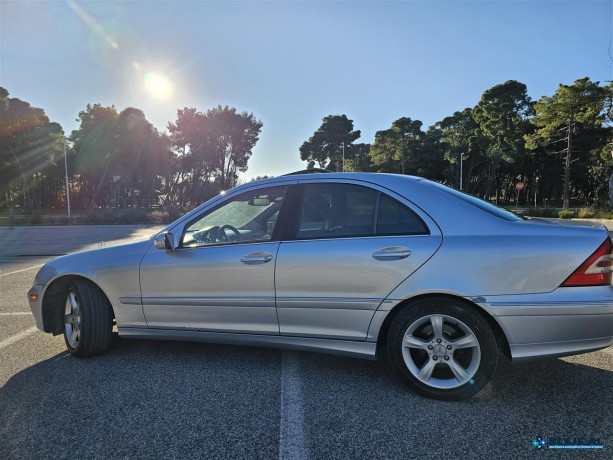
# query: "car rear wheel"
88,319
443,349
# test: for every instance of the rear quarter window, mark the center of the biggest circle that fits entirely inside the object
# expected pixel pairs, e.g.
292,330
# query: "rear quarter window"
394,218
478,203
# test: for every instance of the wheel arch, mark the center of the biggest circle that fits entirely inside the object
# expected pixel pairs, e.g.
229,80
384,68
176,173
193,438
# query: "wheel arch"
53,302
501,338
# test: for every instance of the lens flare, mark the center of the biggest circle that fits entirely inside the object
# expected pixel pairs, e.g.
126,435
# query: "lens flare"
94,26
157,85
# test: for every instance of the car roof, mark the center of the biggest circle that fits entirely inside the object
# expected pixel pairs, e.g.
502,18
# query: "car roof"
311,174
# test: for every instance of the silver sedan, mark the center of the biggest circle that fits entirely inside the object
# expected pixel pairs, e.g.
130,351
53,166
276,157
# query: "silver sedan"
363,265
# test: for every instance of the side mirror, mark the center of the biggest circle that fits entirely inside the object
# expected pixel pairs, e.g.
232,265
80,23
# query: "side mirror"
165,241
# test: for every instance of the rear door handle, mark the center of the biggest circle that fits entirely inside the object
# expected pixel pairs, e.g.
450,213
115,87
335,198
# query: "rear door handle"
256,258
392,253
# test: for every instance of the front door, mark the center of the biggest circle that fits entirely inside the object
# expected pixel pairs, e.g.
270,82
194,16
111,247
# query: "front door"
221,277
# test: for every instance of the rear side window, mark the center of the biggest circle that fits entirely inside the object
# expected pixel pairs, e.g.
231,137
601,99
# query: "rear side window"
336,210
346,210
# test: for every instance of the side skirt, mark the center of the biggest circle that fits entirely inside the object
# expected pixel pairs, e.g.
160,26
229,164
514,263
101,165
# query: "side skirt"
364,350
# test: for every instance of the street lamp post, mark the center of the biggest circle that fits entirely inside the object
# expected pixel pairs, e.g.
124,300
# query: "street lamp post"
611,187
343,144
66,177
461,167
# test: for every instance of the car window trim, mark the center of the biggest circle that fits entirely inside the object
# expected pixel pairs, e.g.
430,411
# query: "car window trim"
376,218
290,229
289,203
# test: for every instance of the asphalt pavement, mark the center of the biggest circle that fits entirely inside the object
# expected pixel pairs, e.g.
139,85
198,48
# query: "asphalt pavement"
153,399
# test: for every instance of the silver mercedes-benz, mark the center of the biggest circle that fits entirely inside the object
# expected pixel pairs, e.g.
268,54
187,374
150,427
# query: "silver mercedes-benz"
357,264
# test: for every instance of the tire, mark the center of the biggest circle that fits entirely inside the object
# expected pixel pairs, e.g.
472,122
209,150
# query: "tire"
443,349
88,319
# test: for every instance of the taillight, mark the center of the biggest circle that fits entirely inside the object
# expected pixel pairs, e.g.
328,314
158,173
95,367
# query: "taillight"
596,270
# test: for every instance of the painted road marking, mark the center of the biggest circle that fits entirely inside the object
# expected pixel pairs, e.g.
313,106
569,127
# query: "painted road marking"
292,444
17,337
22,270
16,313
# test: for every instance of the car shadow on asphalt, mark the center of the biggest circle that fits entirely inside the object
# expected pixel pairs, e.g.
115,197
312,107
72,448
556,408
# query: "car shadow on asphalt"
144,399
373,415
192,400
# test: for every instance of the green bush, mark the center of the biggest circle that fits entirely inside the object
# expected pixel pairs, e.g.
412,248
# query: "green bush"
603,214
586,213
566,214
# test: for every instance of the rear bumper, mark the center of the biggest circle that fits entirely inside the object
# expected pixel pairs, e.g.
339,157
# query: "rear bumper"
568,321
531,351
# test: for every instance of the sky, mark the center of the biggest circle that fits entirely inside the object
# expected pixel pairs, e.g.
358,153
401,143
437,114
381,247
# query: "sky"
291,63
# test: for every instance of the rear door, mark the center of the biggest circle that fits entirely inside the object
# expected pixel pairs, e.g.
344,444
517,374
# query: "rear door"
346,247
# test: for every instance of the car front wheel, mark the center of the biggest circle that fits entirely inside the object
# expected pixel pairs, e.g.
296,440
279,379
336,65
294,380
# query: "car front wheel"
88,319
442,348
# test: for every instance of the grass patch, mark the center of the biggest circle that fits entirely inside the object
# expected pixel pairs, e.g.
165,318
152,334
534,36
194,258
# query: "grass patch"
580,213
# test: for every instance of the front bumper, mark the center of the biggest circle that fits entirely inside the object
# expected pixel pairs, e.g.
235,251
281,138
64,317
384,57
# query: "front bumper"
568,321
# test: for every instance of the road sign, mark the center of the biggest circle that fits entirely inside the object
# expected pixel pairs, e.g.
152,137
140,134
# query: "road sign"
519,186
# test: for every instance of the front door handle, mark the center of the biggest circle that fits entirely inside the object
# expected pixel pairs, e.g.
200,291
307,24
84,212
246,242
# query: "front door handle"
256,258
392,253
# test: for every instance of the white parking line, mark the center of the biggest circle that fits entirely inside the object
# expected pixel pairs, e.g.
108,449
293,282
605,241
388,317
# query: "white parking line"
16,313
22,270
292,444
17,337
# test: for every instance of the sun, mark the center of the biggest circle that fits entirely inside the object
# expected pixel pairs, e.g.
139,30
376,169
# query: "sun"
157,85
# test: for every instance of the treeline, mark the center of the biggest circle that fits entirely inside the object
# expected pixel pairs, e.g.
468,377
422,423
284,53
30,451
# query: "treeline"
119,159
560,146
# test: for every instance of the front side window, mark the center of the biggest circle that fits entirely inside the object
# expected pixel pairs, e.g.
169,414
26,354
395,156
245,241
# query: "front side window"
247,218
